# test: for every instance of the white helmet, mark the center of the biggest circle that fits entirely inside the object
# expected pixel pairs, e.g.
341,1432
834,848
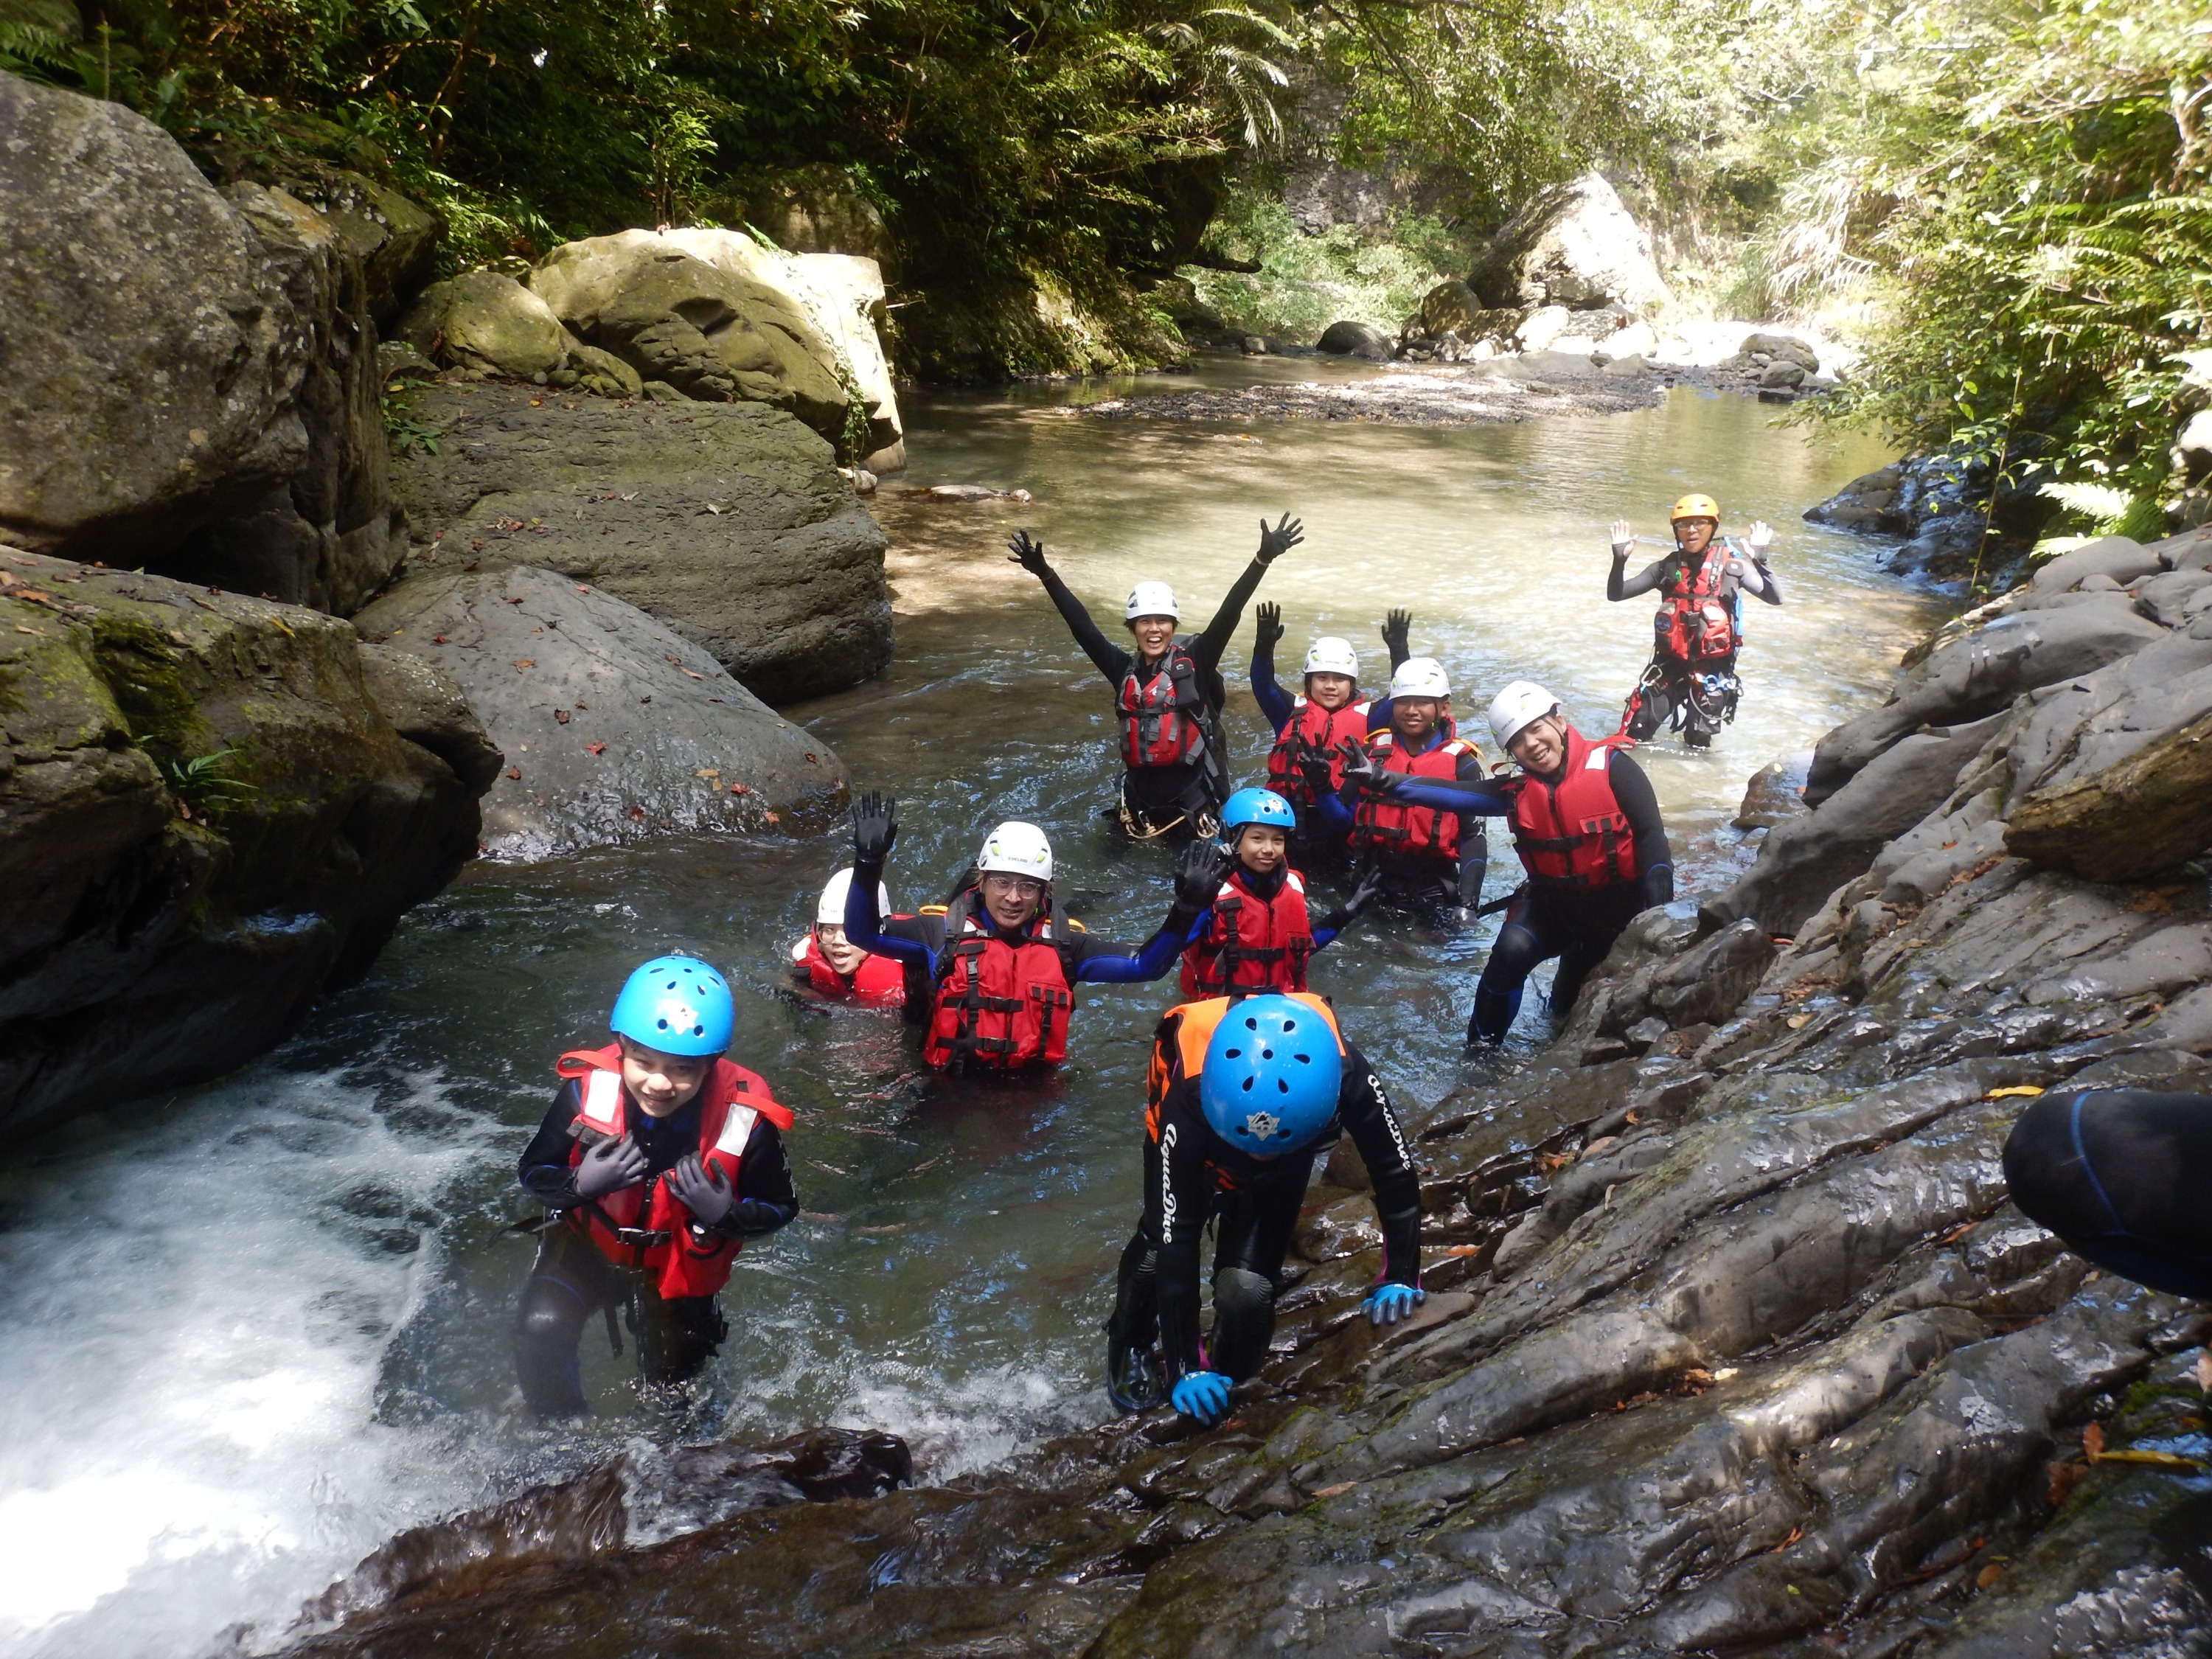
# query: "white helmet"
1515,706
1015,848
1420,677
1330,655
830,912
1151,599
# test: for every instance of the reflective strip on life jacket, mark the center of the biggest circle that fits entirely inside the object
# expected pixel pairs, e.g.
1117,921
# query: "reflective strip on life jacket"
1251,942
1393,826
1573,833
1312,732
998,1004
1696,621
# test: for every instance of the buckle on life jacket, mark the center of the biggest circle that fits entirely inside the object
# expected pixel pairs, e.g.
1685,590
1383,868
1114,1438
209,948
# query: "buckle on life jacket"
643,1239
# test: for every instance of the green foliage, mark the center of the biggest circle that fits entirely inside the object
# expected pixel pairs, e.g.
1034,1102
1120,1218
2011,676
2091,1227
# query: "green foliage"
201,783
408,431
1307,282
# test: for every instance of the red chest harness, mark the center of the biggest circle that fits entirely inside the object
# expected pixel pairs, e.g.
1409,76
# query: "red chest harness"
878,979
1251,943
1164,714
1573,833
997,1004
1697,622
1313,731
656,1235
1393,826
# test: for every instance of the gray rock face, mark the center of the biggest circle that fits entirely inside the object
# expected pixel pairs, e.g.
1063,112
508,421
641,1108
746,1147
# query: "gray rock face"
484,320
727,522
1353,339
207,820
187,383
1574,245
613,728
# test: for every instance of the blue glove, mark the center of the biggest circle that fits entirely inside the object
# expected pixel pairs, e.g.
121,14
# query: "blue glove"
1387,1305
1202,1394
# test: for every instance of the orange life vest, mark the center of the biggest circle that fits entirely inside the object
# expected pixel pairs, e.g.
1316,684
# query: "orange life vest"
998,1002
1573,833
656,1235
1251,944
1193,1031
1696,622
878,979
1391,826
1312,731
1164,714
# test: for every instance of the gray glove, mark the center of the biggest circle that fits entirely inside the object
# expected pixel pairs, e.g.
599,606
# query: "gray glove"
609,1167
1362,767
705,1192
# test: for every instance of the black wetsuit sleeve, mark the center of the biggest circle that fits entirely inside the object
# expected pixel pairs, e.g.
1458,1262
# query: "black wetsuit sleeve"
763,1178
1655,859
1208,648
1769,590
1176,1186
1112,661
544,1168
1365,1107
1645,581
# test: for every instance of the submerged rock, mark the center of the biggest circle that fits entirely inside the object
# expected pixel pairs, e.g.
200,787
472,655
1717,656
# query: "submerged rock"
614,727
727,522
207,821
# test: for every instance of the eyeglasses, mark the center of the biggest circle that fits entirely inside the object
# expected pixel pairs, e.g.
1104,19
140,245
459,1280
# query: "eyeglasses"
1015,886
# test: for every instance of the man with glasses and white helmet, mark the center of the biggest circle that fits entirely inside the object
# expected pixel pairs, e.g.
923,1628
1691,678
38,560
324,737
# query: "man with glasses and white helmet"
1587,827
992,976
1168,692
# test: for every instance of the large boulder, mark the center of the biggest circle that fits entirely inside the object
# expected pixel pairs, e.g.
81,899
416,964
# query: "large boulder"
187,382
1573,244
1355,339
207,821
614,727
485,320
727,522
1453,308
395,239
2147,812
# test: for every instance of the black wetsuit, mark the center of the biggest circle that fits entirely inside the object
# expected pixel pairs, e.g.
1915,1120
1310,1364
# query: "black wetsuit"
572,1279
1157,796
2117,1173
1254,1204
1665,689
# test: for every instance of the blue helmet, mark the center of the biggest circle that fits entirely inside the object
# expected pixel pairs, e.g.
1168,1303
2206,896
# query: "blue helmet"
1272,1070
677,1005
1256,807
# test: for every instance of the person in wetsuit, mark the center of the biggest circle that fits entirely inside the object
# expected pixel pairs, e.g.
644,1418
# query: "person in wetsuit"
992,976
836,971
2114,1172
1242,1095
1252,932
659,1160
1306,762
1587,828
1168,692
1691,678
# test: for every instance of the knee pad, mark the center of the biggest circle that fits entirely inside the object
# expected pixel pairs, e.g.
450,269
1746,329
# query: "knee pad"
1239,1292
550,1313
1243,1320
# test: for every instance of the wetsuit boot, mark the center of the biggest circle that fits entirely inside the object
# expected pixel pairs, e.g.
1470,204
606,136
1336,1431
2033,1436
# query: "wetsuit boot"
1135,1379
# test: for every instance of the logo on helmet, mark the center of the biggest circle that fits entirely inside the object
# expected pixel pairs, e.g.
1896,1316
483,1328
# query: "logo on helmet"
681,1016
1261,1126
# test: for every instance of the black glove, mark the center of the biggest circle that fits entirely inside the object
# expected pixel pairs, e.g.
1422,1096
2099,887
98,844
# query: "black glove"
1361,767
1397,635
1026,552
705,1192
1371,884
875,827
1199,873
609,1167
1273,543
1269,618
1318,771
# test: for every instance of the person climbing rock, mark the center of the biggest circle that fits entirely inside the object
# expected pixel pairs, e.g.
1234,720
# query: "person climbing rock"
1168,692
1427,861
1241,1096
1252,931
658,1161
1691,681
1592,846
991,975
2113,1172
1305,762
831,966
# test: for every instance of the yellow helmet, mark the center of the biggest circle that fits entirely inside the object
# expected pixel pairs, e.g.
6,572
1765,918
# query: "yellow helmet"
1695,506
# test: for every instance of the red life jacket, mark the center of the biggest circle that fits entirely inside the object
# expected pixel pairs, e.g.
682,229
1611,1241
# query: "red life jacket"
1310,731
878,979
1164,715
1697,622
1251,944
1391,826
997,1004
657,1235
1573,833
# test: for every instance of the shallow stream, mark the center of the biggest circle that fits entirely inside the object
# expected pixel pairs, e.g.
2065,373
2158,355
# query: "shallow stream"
254,1329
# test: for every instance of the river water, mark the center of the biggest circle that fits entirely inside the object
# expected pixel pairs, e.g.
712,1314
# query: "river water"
255,1328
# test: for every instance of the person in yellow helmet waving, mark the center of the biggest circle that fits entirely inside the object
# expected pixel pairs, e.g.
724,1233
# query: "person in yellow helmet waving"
1692,682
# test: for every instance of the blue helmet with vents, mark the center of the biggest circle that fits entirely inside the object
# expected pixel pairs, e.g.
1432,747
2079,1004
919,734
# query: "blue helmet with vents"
677,1005
1272,1069
1255,806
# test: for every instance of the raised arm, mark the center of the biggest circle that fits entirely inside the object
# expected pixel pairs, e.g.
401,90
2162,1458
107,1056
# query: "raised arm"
1756,577
1397,636
1274,701
1210,646
875,827
1110,659
1198,877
